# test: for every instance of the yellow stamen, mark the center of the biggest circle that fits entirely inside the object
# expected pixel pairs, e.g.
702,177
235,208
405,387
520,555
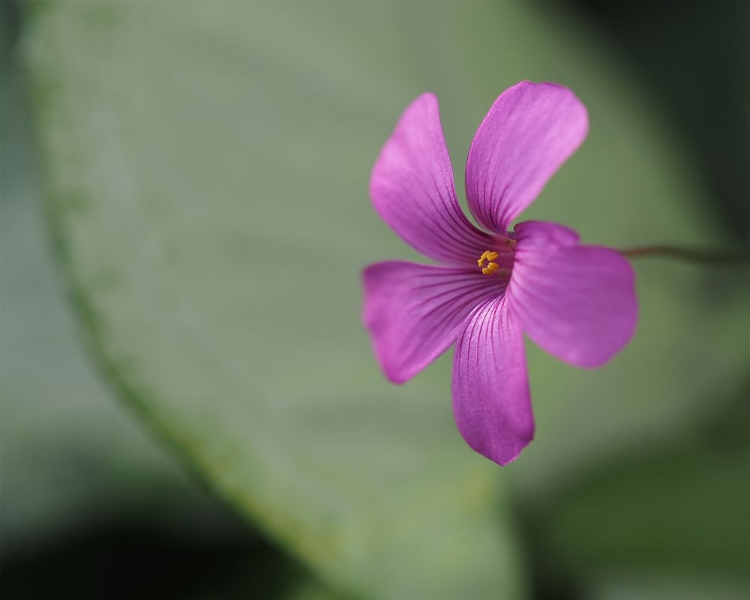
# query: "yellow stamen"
485,262
486,259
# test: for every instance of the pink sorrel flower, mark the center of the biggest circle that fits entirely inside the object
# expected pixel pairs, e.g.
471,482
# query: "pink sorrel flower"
577,302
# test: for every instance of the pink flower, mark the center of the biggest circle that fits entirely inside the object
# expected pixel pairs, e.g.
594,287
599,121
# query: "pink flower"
577,302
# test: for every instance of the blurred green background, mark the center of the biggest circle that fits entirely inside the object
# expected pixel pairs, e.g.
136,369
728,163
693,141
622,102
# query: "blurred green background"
190,407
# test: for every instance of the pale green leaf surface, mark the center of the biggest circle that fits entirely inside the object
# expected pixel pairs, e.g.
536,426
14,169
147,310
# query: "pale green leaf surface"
71,457
207,170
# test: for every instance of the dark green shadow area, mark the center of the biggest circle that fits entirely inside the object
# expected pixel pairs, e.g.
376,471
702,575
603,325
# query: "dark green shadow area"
670,521
131,556
696,59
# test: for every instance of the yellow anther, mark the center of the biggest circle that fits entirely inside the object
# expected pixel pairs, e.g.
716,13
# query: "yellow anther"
490,268
485,262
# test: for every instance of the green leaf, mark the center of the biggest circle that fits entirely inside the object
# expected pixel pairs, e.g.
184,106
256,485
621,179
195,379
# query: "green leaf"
215,190
69,454
207,169
670,523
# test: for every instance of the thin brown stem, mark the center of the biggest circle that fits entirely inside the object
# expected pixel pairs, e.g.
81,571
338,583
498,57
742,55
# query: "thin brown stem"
689,254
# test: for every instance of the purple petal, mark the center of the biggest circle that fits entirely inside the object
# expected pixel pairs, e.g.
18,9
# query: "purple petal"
415,312
576,302
546,237
412,189
491,399
531,129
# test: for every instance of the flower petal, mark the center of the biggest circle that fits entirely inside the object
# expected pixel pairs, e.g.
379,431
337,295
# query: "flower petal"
531,129
576,302
491,399
545,237
412,189
415,312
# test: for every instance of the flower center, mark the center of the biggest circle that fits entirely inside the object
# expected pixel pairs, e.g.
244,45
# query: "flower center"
485,262
498,263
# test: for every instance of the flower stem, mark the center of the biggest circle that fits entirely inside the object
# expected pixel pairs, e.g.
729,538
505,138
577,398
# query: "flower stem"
688,254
